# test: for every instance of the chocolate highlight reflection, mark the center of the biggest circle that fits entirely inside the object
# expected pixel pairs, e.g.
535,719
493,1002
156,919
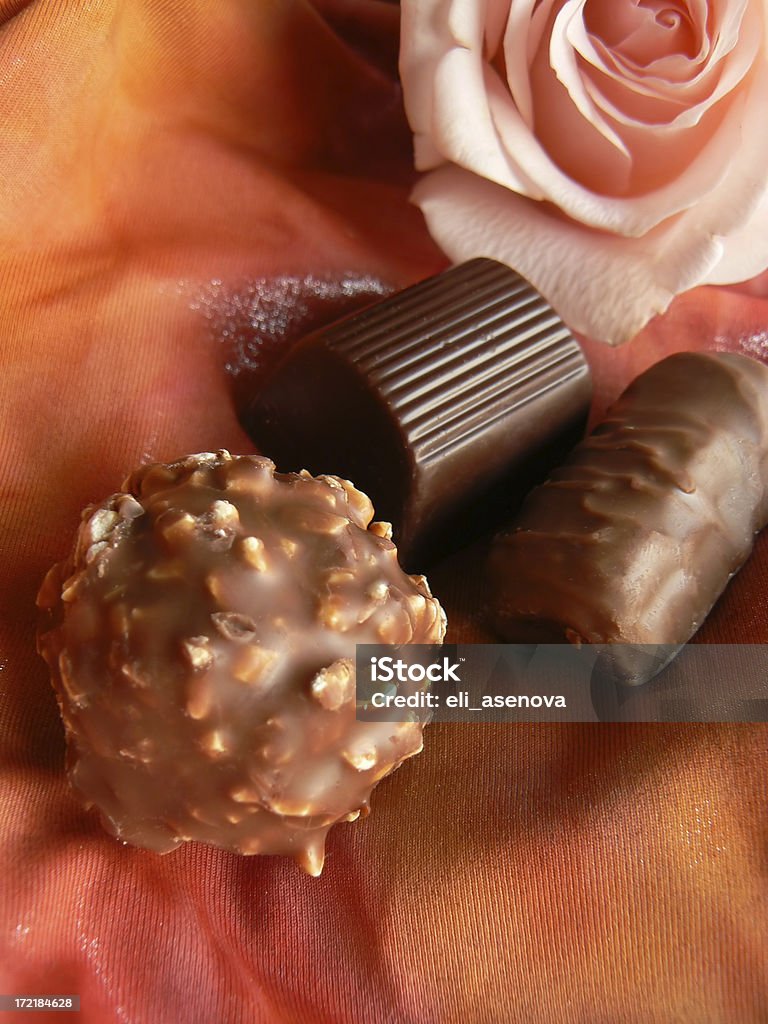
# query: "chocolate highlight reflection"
201,640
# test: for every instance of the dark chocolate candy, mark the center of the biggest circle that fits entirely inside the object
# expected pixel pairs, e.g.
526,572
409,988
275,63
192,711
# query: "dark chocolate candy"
439,402
201,640
632,540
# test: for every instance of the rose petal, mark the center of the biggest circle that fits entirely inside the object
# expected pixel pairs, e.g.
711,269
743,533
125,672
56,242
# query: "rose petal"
745,249
464,129
496,14
605,286
689,100
479,25
656,165
636,215
521,40
563,60
692,72
466,23
572,130
475,123
425,37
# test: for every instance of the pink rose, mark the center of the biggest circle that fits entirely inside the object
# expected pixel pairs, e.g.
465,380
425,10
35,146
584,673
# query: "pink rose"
614,152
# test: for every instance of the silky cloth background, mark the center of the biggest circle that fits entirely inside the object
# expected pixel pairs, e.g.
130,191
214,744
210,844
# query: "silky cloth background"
186,187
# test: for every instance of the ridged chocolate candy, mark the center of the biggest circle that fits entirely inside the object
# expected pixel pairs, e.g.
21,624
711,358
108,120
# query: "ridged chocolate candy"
633,539
201,640
445,402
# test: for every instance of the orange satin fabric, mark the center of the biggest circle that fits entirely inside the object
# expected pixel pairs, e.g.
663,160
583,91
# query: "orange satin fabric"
185,187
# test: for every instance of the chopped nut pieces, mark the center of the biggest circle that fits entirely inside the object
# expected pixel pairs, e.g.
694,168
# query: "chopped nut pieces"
334,686
201,639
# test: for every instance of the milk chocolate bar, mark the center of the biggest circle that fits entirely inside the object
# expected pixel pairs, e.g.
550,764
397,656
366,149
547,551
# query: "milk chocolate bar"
201,640
633,539
445,403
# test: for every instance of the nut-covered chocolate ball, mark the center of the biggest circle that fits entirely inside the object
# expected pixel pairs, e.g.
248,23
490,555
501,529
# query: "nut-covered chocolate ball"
201,640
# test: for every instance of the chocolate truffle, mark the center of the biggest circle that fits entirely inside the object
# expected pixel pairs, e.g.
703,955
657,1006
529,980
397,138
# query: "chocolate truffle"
201,640
445,402
632,540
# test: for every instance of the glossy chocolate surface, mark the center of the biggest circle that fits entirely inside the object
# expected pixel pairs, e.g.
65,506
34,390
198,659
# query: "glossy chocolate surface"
445,403
201,640
633,539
